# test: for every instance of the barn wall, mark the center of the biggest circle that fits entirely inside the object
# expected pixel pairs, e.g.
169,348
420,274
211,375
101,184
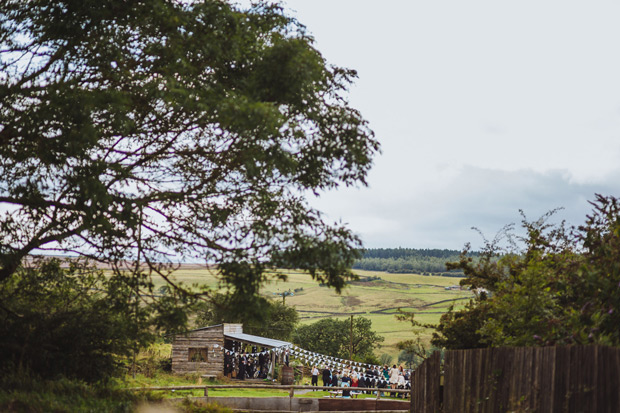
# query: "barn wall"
207,338
233,328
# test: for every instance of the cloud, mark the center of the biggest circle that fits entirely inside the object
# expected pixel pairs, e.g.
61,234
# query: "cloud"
442,216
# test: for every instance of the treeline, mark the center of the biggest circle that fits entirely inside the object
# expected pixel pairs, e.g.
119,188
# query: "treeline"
410,260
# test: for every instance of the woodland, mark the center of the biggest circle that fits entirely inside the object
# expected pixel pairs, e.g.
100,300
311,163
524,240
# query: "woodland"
410,260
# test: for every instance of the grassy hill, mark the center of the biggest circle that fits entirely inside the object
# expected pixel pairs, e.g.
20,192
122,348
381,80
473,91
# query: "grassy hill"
377,296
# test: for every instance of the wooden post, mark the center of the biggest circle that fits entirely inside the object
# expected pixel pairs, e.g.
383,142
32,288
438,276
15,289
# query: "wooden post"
206,392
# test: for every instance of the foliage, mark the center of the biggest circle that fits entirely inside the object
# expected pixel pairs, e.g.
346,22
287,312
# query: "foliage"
332,337
162,379
73,321
164,130
563,288
385,359
326,336
153,359
270,318
23,394
414,352
400,252
460,329
190,406
409,260
370,358
409,359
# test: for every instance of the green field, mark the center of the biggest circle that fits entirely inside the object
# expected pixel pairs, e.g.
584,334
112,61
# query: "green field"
377,296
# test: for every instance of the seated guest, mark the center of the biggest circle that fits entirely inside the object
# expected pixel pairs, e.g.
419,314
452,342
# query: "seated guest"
382,383
400,384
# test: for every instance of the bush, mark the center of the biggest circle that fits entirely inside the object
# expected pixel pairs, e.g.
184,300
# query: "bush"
22,393
198,407
58,321
561,287
156,357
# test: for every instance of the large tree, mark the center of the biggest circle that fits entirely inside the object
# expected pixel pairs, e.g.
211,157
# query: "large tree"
268,318
165,130
332,337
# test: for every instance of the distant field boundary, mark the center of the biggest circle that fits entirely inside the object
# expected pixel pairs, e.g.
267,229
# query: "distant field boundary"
445,301
381,311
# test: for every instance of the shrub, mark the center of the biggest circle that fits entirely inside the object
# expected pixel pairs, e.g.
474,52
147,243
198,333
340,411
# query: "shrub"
72,322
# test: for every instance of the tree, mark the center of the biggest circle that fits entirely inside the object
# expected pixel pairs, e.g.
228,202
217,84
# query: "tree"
385,359
364,338
164,130
562,288
66,319
408,358
332,337
270,318
281,322
414,352
460,329
326,336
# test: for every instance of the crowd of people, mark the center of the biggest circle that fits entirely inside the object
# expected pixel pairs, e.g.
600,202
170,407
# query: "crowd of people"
393,378
241,365
245,366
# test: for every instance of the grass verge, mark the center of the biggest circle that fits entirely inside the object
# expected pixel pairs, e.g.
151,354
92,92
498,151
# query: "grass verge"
60,396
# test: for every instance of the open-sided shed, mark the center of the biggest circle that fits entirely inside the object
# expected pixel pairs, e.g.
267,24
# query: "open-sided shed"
203,350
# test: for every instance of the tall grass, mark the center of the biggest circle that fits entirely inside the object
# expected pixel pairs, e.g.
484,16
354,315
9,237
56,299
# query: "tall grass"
22,393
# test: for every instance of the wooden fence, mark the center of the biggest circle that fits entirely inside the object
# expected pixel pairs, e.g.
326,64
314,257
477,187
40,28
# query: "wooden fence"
425,388
378,393
540,379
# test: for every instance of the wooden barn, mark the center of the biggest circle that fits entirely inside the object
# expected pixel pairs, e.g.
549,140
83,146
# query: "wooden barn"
201,350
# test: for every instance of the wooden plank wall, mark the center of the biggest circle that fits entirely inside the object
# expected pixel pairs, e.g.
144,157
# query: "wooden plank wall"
425,389
206,338
233,328
541,379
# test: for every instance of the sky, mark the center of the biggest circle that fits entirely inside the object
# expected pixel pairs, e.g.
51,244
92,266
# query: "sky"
482,108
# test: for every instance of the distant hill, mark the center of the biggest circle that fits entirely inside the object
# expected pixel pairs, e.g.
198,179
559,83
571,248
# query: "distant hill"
410,260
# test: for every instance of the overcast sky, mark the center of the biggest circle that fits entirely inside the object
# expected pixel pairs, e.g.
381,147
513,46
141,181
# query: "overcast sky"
482,108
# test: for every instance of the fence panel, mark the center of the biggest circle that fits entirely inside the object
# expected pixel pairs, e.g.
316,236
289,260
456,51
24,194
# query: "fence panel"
542,379
425,386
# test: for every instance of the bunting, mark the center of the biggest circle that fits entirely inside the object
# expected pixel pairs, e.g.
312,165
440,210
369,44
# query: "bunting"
307,357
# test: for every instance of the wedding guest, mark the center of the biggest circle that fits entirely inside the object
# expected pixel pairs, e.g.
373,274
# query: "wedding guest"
315,376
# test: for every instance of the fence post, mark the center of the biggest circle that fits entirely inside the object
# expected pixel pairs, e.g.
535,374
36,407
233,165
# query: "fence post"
206,391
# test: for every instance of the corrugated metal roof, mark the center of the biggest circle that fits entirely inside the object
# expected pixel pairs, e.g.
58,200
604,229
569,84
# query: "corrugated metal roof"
204,328
262,341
